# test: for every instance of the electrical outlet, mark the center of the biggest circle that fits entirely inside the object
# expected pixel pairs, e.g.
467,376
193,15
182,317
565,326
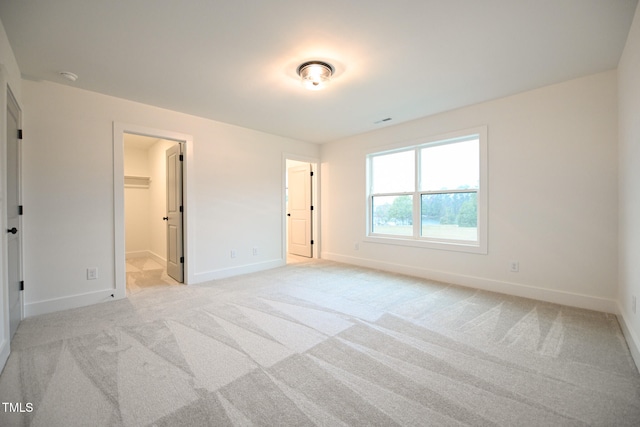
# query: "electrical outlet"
633,304
233,253
356,246
514,266
92,273
255,251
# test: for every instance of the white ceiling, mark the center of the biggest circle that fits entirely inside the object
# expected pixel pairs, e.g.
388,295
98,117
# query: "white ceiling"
235,61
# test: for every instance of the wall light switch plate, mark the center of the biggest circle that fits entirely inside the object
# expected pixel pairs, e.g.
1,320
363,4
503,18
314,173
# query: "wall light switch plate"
92,273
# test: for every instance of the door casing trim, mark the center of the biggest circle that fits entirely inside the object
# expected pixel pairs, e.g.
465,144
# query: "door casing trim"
11,97
5,343
119,129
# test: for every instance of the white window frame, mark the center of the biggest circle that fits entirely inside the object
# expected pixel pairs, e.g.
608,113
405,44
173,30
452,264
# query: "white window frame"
416,240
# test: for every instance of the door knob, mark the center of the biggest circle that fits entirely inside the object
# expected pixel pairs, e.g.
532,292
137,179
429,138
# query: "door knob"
288,214
165,218
12,230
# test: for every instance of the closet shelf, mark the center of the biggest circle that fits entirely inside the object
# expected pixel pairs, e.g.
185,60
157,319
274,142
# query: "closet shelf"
131,181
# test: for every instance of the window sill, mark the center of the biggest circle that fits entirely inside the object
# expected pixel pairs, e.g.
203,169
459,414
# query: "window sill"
470,247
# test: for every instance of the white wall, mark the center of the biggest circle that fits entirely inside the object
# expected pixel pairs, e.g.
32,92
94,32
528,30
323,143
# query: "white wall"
136,202
146,206
156,155
629,147
236,197
552,196
9,77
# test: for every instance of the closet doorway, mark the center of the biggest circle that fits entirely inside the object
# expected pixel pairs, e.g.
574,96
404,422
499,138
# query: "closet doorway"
153,212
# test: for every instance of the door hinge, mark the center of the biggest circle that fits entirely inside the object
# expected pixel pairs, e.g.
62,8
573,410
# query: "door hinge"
311,173
312,242
181,157
181,260
311,207
19,133
180,208
20,210
22,285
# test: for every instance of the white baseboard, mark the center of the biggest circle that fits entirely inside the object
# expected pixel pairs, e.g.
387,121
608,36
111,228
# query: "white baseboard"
237,271
515,289
73,301
632,339
136,254
146,254
157,258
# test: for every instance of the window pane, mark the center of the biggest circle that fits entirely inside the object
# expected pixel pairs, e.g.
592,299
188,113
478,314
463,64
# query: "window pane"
450,216
451,166
393,215
393,173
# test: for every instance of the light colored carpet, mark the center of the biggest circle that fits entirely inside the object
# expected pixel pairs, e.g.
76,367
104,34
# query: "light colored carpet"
321,343
144,272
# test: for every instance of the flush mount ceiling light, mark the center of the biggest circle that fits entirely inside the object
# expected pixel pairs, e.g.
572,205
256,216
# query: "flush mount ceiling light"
315,74
69,75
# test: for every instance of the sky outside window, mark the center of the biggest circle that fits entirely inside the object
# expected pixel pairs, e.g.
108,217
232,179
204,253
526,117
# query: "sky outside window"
450,166
393,173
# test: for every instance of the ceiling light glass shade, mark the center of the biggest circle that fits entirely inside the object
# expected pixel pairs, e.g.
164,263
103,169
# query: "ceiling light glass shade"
315,75
69,75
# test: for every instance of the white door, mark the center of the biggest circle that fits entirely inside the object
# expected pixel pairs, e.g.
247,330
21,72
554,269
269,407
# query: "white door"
175,260
299,210
13,214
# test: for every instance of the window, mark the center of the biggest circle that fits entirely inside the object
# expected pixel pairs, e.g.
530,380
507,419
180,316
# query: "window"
431,194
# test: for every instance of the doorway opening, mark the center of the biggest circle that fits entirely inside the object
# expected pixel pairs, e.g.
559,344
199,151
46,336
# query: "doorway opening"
152,246
301,229
150,208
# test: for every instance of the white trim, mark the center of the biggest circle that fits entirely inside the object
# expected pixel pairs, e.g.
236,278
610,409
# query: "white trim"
146,254
5,344
137,254
119,129
456,246
481,245
516,289
236,271
65,303
5,340
633,341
